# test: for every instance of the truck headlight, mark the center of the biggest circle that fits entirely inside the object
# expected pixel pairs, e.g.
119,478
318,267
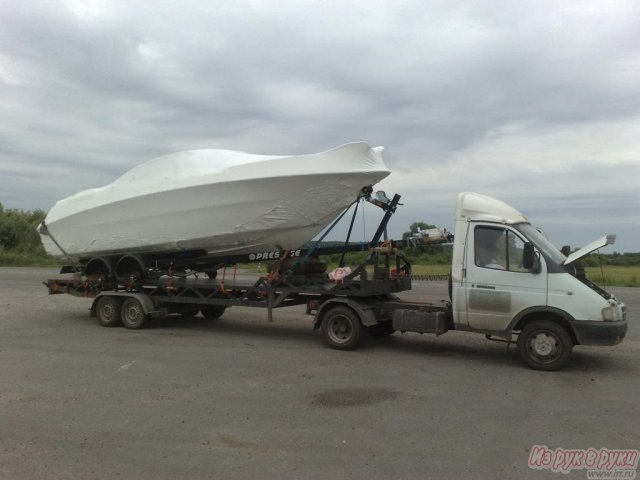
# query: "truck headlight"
611,314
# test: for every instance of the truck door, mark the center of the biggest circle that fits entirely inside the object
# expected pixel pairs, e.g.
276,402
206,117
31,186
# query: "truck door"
496,285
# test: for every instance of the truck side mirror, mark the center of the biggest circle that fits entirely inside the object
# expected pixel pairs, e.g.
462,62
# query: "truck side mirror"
530,259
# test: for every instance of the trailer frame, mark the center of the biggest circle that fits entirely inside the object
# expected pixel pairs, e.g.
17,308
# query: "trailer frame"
365,298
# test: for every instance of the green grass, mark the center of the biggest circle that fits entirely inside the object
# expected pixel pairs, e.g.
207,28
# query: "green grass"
12,259
430,269
618,276
615,276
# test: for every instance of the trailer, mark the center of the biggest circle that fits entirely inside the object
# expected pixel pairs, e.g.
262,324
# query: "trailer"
508,282
343,308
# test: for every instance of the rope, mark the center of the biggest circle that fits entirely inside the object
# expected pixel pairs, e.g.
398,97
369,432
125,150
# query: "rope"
604,283
273,275
315,246
224,273
47,232
364,225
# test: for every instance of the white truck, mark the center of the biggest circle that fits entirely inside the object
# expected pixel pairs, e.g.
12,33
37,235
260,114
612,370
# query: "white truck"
508,282
508,279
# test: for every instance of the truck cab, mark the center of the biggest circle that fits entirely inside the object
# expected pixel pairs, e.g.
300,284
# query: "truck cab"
507,279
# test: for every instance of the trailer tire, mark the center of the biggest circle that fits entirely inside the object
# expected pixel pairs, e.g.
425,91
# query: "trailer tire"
108,311
133,315
213,312
545,345
341,328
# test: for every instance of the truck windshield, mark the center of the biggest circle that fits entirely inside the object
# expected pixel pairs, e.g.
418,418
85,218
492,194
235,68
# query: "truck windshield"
547,248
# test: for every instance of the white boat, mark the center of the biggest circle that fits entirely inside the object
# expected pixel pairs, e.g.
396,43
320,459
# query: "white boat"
214,201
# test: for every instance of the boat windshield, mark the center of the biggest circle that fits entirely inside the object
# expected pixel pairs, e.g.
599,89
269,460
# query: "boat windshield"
548,249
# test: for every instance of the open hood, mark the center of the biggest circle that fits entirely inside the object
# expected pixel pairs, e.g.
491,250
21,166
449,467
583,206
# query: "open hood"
596,244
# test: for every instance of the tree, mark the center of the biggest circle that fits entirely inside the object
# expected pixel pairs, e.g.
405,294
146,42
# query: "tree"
18,231
414,229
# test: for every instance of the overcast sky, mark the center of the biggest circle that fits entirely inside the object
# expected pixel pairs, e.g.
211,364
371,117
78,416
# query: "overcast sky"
536,103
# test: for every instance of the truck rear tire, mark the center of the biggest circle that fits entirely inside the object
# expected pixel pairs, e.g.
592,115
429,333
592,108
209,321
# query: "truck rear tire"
213,312
382,329
544,345
108,311
133,315
341,328
188,311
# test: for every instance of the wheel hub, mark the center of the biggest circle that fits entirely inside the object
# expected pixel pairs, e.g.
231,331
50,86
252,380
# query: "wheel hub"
107,311
341,329
544,345
133,313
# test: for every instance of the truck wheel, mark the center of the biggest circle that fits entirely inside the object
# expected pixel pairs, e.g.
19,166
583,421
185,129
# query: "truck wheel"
188,311
544,345
341,328
213,312
108,311
382,329
133,315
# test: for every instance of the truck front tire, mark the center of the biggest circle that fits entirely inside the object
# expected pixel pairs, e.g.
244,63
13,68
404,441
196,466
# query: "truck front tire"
544,345
341,328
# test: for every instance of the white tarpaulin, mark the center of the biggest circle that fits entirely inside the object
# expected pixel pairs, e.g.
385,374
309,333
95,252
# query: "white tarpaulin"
214,200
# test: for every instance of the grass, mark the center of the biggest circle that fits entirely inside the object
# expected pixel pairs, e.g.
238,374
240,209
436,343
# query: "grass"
618,276
615,276
12,259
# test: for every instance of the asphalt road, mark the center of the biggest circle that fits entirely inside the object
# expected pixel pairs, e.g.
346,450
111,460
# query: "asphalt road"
241,398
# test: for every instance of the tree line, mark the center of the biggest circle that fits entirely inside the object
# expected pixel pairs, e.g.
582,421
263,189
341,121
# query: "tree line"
20,245
19,242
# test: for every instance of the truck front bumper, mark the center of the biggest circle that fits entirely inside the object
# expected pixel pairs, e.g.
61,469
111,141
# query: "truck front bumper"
594,332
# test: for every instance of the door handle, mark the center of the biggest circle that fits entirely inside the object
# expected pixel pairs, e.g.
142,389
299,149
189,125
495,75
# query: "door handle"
487,287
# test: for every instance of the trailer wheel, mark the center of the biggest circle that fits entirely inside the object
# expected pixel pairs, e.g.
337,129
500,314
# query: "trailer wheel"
108,311
213,312
544,345
341,328
133,315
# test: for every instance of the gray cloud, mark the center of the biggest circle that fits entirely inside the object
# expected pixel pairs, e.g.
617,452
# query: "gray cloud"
526,102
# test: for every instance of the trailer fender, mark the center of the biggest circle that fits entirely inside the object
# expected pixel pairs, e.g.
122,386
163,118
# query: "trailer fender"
147,304
363,309
129,264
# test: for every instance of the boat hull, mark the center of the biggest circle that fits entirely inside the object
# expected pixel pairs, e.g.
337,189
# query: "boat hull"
281,211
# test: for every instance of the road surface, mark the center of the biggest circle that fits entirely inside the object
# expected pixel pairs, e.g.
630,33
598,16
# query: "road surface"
242,398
